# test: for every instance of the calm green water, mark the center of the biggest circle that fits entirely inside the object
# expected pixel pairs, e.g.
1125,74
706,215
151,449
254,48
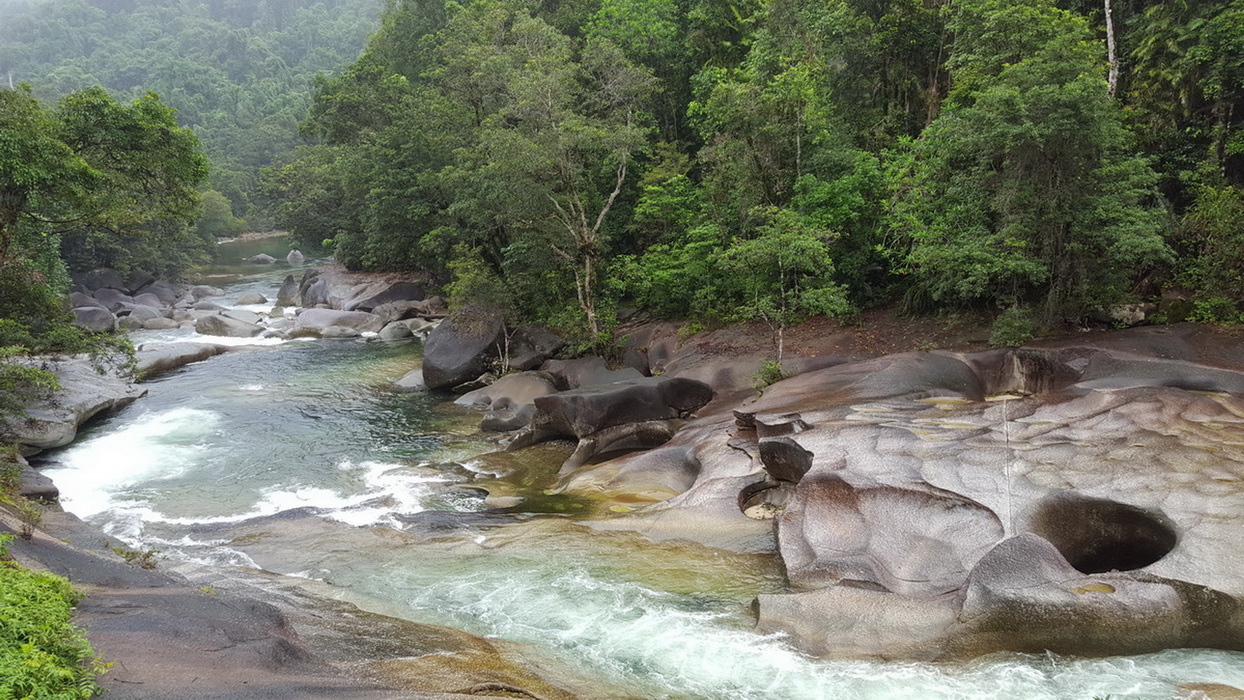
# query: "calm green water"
298,459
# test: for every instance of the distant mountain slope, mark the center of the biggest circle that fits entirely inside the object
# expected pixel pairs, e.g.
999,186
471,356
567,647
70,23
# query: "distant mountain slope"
237,72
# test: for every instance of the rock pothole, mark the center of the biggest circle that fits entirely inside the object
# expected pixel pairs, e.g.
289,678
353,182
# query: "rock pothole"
1098,535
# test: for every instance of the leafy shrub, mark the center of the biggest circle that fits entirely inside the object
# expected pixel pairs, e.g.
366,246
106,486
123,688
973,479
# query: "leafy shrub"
1013,328
770,372
1215,310
42,654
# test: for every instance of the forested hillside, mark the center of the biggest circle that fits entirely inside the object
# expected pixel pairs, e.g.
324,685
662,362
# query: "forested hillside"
735,159
238,73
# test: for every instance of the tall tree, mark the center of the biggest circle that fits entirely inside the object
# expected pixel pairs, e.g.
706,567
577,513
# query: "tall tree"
1025,190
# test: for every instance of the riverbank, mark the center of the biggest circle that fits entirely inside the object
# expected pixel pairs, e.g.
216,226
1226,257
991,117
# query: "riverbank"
905,450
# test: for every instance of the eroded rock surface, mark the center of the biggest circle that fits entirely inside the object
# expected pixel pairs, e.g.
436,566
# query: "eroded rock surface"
1078,497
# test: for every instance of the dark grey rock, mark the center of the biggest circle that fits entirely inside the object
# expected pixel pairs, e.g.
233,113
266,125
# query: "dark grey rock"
288,294
79,299
398,291
532,345
94,318
150,299
113,299
102,278
586,371
458,349
137,280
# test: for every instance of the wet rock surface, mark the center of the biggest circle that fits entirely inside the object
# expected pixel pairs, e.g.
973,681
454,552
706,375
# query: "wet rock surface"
1077,497
53,421
199,634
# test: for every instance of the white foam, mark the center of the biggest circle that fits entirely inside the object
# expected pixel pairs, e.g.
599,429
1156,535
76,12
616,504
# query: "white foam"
154,447
658,644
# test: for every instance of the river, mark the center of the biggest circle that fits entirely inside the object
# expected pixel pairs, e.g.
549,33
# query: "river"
297,458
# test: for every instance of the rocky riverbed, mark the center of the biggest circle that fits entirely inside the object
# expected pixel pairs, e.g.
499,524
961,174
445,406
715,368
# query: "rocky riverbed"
1080,495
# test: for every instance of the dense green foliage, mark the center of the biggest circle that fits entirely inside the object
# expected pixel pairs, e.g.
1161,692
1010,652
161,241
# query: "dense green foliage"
237,73
92,182
780,159
725,160
42,654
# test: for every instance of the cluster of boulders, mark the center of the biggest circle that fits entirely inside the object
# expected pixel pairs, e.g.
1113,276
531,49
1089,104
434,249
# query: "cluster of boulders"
106,300
333,304
583,400
317,305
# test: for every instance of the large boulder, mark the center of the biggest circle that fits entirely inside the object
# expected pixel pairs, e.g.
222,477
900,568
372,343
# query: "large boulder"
912,541
94,318
532,345
581,412
129,323
397,291
225,326
152,300
79,299
315,321
458,349
315,292
287,295
402,310
113,299
261,259
587,371
102,278
53,421
251,299
137,280
140,312
635,414
157,358
167,293
203,291
295,257
510,401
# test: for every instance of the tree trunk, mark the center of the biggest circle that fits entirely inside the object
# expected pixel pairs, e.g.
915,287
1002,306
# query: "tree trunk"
1112,80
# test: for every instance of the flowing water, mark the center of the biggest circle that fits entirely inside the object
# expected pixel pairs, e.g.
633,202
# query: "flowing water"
296,458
